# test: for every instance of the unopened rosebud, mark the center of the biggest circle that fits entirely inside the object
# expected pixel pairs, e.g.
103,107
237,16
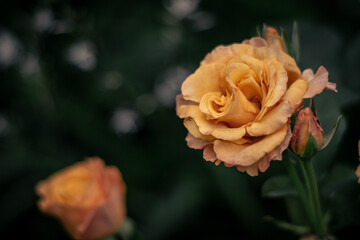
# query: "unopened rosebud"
307,136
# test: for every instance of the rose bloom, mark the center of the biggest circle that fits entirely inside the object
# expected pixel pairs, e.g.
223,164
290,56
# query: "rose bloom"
236,105
87,197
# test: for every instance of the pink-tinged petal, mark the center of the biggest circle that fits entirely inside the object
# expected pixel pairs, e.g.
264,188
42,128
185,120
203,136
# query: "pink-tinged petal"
217,162
274,40
228,165
307,75
283,146
256,42
252,170
264,162
248,154
207,78
331,86
209,153
184,107
272,121
240,168
316,84
193,129
195,143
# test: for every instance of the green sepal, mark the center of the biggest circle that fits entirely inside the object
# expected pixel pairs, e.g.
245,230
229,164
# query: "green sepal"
295,42
287,44
264,30
311,147
329,136
312,107
258,31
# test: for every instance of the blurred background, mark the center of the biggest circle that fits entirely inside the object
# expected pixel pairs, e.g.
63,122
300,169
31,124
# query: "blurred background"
85,78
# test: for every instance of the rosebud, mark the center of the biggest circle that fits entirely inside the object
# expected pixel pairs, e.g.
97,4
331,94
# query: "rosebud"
307,136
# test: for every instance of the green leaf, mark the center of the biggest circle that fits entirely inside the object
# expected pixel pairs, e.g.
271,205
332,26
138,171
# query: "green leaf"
296,229
329,136
295,42
311,147
287,44
278,186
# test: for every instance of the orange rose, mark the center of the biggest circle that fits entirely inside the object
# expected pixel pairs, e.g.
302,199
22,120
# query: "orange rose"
88,198
237,104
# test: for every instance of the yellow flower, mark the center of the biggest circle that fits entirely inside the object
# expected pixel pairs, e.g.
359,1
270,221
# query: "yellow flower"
88,198
236,105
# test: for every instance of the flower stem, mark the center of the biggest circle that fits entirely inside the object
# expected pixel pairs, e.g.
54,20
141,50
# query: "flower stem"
314,193
309,195
306,201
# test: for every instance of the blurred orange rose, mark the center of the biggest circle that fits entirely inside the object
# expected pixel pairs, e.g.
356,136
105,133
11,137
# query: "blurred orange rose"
87,197
237,104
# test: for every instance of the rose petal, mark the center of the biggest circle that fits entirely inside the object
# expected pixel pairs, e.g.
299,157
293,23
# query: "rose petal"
195,143
209,153
331,86
284,145
264,162
207,78
267,53
248,154
278,83
295,93
273,39
252,170
218,130
221,54
256,42
274,85
193,129
318,82
272,121
183,107
241,111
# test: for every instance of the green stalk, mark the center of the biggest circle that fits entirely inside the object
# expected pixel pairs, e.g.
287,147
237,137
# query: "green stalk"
301,191
314,192
310,196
